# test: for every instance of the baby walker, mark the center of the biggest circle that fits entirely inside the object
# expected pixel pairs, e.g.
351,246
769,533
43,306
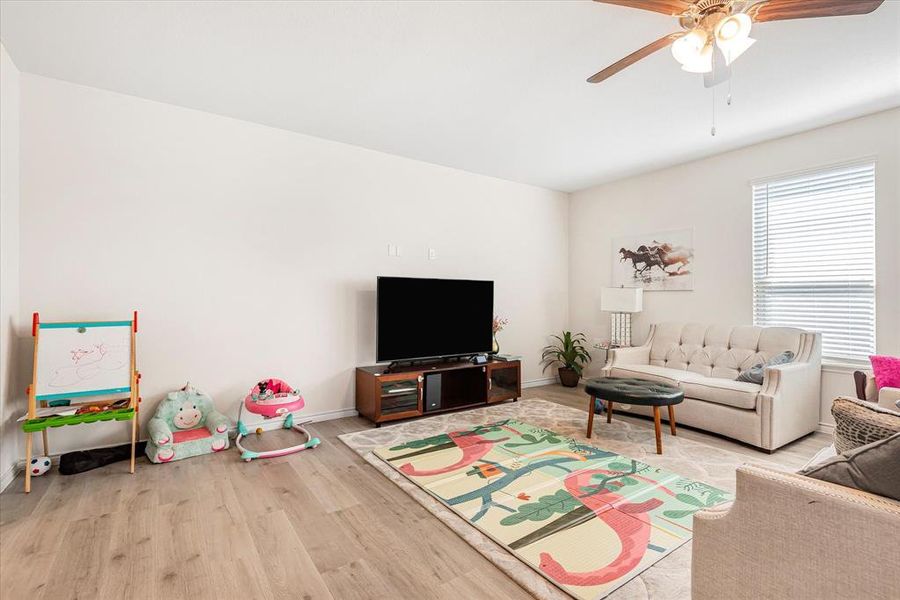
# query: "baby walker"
273,398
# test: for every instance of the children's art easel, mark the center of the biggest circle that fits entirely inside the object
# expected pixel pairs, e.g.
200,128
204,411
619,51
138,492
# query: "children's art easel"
74,363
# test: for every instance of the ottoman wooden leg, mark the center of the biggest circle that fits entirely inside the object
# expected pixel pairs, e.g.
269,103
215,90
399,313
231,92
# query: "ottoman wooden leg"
590,426
609,411
658,428
672,419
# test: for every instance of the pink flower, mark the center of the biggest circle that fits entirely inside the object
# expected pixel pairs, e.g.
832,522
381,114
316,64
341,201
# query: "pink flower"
499,324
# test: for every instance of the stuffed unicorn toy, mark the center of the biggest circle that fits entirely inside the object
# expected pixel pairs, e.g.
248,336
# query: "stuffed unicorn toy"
186,424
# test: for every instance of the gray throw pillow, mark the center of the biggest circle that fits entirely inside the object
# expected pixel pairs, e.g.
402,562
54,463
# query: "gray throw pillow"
755,373
873,468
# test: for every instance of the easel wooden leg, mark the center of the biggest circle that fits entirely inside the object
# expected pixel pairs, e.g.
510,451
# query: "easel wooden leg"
45,444
137,419
591,406
133,440
28,441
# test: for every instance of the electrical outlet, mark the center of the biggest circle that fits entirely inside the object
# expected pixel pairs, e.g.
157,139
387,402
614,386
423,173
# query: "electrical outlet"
432,254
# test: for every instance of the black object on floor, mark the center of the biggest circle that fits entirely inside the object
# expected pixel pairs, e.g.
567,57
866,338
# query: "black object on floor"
71,463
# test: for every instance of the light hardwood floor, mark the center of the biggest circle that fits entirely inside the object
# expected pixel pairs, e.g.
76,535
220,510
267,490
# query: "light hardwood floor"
319,524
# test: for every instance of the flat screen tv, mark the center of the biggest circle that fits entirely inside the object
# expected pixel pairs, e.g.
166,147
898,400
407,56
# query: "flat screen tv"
431,318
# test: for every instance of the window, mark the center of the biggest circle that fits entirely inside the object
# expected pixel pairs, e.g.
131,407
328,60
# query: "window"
814,257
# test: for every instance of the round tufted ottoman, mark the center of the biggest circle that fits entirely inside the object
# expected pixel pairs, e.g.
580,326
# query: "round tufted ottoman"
633,391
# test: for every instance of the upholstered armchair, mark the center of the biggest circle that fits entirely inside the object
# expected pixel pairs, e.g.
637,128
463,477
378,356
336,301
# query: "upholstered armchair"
886,397
790,536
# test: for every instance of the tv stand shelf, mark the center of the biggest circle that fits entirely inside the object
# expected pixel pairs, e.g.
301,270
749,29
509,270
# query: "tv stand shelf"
402,392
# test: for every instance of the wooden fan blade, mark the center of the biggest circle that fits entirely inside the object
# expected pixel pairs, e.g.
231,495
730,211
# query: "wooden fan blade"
667,7
634,57
782,10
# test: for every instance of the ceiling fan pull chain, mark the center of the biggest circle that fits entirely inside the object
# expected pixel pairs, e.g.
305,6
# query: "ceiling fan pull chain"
728,96
712,130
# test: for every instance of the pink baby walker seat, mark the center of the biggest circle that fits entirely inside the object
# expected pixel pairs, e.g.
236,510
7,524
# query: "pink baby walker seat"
273,398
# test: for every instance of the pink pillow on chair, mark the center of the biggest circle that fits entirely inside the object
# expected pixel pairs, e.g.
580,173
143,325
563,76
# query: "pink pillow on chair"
886,370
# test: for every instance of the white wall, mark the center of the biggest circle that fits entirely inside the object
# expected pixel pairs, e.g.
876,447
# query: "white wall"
9,260
252,252
713,196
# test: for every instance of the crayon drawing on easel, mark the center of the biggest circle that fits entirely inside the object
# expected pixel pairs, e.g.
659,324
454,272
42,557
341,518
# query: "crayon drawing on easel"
75,360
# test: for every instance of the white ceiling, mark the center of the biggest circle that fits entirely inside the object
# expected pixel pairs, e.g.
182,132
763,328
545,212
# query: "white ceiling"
489,87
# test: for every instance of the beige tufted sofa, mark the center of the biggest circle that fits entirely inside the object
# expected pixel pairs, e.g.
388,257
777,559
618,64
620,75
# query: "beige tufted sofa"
704,361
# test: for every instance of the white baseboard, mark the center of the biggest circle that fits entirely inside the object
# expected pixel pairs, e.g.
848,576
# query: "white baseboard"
539,382
826,428
10,474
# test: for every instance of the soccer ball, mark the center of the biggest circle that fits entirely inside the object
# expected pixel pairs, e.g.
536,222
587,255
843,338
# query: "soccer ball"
39,465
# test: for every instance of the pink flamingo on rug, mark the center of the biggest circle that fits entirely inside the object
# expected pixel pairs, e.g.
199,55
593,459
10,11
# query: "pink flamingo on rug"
474,447
628,520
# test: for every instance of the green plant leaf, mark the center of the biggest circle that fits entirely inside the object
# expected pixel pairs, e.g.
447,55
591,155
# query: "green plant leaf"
619,466
628,480
560,502
677,514
688,499
423,443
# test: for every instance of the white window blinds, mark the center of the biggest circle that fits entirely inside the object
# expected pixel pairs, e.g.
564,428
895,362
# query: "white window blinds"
814,257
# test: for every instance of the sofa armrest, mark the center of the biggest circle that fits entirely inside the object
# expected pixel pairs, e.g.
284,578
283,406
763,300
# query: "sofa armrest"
789,402
889,397
217,423
633,355
160,433
804,539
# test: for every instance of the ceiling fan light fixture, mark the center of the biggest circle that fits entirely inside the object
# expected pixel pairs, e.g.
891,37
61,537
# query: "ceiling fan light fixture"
690,47
732,30
701,63
735,50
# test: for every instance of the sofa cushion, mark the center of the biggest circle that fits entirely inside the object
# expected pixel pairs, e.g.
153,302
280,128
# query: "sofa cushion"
719,351
738,394
699,387
651,372
873,468
858,422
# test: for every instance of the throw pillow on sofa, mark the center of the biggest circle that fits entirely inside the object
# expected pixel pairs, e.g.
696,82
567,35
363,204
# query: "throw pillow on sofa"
756,373
873,468
886,370
858,422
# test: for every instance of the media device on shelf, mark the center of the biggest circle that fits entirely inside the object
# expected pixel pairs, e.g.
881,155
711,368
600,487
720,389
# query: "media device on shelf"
421,319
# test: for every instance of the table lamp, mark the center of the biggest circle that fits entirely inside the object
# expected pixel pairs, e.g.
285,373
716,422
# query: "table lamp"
621,302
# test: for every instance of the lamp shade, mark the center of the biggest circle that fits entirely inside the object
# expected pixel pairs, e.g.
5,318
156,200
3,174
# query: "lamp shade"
622,300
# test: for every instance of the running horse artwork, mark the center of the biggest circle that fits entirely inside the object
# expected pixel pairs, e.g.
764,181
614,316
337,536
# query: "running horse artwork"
662,261
586,519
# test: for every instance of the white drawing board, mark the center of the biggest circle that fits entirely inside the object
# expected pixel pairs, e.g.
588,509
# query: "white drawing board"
85,359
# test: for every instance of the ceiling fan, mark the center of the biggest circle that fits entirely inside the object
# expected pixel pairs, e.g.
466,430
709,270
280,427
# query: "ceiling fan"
716,32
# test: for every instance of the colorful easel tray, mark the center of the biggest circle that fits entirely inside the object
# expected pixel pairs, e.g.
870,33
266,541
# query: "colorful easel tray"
119,414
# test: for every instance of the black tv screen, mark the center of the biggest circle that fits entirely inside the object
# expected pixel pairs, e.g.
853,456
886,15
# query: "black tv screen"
428,318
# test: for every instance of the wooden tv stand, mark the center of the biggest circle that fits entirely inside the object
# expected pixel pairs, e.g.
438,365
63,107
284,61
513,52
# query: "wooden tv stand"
384,395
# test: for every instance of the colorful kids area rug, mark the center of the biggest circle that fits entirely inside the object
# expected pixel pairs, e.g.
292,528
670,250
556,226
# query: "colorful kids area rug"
586,519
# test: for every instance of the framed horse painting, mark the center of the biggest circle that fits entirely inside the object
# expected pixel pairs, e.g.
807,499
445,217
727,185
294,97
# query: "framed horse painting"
661,261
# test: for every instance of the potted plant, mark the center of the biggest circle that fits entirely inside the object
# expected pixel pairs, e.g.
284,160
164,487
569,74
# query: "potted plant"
570,354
